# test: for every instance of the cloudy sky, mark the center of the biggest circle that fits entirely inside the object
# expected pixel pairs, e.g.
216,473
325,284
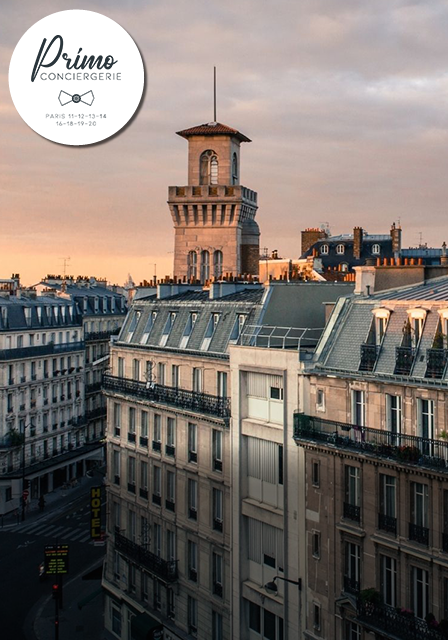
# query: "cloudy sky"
346,103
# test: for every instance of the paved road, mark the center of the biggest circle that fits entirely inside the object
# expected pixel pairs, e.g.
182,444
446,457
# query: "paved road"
21,552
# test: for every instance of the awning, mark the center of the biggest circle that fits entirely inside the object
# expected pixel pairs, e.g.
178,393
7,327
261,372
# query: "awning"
144,627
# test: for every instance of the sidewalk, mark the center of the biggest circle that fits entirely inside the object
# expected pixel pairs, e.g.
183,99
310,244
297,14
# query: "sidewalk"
82,615
54,502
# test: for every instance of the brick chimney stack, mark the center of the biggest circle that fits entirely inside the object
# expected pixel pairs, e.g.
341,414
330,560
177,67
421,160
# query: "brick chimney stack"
310,236
444,257
395,234
357,242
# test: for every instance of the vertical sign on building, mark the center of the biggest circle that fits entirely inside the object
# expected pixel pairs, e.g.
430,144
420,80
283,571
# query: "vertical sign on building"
95,513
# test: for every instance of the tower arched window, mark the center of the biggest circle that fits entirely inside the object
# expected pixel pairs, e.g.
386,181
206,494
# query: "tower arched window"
235,169
192,264
209,167
205,266
217,264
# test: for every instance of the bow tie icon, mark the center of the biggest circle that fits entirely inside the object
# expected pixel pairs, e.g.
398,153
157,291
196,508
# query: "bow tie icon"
64,98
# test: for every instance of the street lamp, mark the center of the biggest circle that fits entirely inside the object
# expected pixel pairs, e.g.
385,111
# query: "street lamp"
25,426
271,587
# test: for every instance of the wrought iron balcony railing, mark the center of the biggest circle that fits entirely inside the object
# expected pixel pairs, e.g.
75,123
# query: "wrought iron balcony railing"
165,570
352,512
407,449
391,622
43,350
419,534
436,360
404,359
387,523
188,400
369,355
93,336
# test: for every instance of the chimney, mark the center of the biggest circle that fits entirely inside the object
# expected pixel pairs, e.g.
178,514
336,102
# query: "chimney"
395,234
310,236
365,280
444,257
357,242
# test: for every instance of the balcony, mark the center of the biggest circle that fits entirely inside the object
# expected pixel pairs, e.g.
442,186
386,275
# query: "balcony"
217,525
186,400
404,359
131,487
192,456
233,192
352,512
143,441
131,437
351,585
157,499
163,569
192,513
37,352
369,355
156,446
143,493
93,388
170,450
391,622
217,589
170,505
436,360
377,443
217,465
419,534
95,336
387,523
193,575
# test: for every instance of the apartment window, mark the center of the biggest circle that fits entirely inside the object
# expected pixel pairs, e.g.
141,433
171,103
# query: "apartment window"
388,504
116,466
156,442
265,544
167,329
394,417
170,448
135,369
376,249
222,384
192,499
171,545
188,327
388,569
264,471
117,516
217,510
131,474
161,368
352,504
324,250
316,616
175,369
216,450
120,368
144,479
170,490
170,611
157,595
359,408
315,474
217,565
352,630
116,621
210,331
145,586
144,417
265,397
192,561
316,544
197,380
157,485
320,400
418,527
117,419
419,592
265,623
147,330
352,575
157,539
192,442
217,626
340,249
131,427
425,422
135,317
192,615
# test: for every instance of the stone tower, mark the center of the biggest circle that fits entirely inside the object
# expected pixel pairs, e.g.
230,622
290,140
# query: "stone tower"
214,215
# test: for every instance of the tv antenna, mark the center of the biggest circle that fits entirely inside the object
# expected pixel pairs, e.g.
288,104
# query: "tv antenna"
214,94
65,264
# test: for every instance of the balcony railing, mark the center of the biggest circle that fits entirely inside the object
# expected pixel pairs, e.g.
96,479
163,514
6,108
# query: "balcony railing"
93,336
419,534
165,570
404,359
93,387
352,512
424,452
36,352
188,400
436,360
369,355
391,622
387,523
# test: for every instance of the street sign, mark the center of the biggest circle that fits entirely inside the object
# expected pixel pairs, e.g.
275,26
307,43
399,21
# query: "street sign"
95,513
56,559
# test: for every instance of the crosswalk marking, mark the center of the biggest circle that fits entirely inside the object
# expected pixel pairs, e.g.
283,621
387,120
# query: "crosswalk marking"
76,534
73,533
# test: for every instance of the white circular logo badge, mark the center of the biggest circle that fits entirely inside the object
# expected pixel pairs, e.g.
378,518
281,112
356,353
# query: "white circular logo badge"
76,77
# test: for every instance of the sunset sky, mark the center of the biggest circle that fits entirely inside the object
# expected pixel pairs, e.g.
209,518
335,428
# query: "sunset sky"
346,103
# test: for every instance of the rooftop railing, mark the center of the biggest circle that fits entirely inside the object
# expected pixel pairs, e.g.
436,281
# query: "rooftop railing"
274,337
369,355
166,570
436,360
425,452
171,396
404,359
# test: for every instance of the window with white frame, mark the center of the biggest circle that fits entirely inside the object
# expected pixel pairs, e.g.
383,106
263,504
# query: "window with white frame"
170,447
170,490
216,450
265,397
133,322
394,415
388,569
161,368
419,504
376,249
264,471
340,249
324,249
192,499
217,579
358,407
197,379
265,544
388,501
192,442
352,575
192,614
262,622
420,592
188,328
217,509
167,329
210,331
192,569
157,432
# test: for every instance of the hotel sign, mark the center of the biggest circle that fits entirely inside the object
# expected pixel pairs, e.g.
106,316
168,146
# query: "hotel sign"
95,513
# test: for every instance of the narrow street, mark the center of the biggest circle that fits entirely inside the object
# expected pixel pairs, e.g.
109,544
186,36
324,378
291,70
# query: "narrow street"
21,553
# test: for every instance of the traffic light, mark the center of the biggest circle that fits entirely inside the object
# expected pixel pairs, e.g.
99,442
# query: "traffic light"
56,591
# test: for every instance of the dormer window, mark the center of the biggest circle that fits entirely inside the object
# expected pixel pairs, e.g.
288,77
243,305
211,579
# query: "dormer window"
416,319
340,249
167,329
209,167
28,316
238,328
133,325
381,318
149,325
376,249
324,250
211,328
188,330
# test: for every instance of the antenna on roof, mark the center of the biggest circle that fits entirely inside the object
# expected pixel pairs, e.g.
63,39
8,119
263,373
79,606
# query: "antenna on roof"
214,94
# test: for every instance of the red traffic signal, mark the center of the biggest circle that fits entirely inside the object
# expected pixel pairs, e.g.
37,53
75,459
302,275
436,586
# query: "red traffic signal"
56,591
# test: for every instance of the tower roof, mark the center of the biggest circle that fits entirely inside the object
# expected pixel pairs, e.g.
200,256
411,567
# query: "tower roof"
213,129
